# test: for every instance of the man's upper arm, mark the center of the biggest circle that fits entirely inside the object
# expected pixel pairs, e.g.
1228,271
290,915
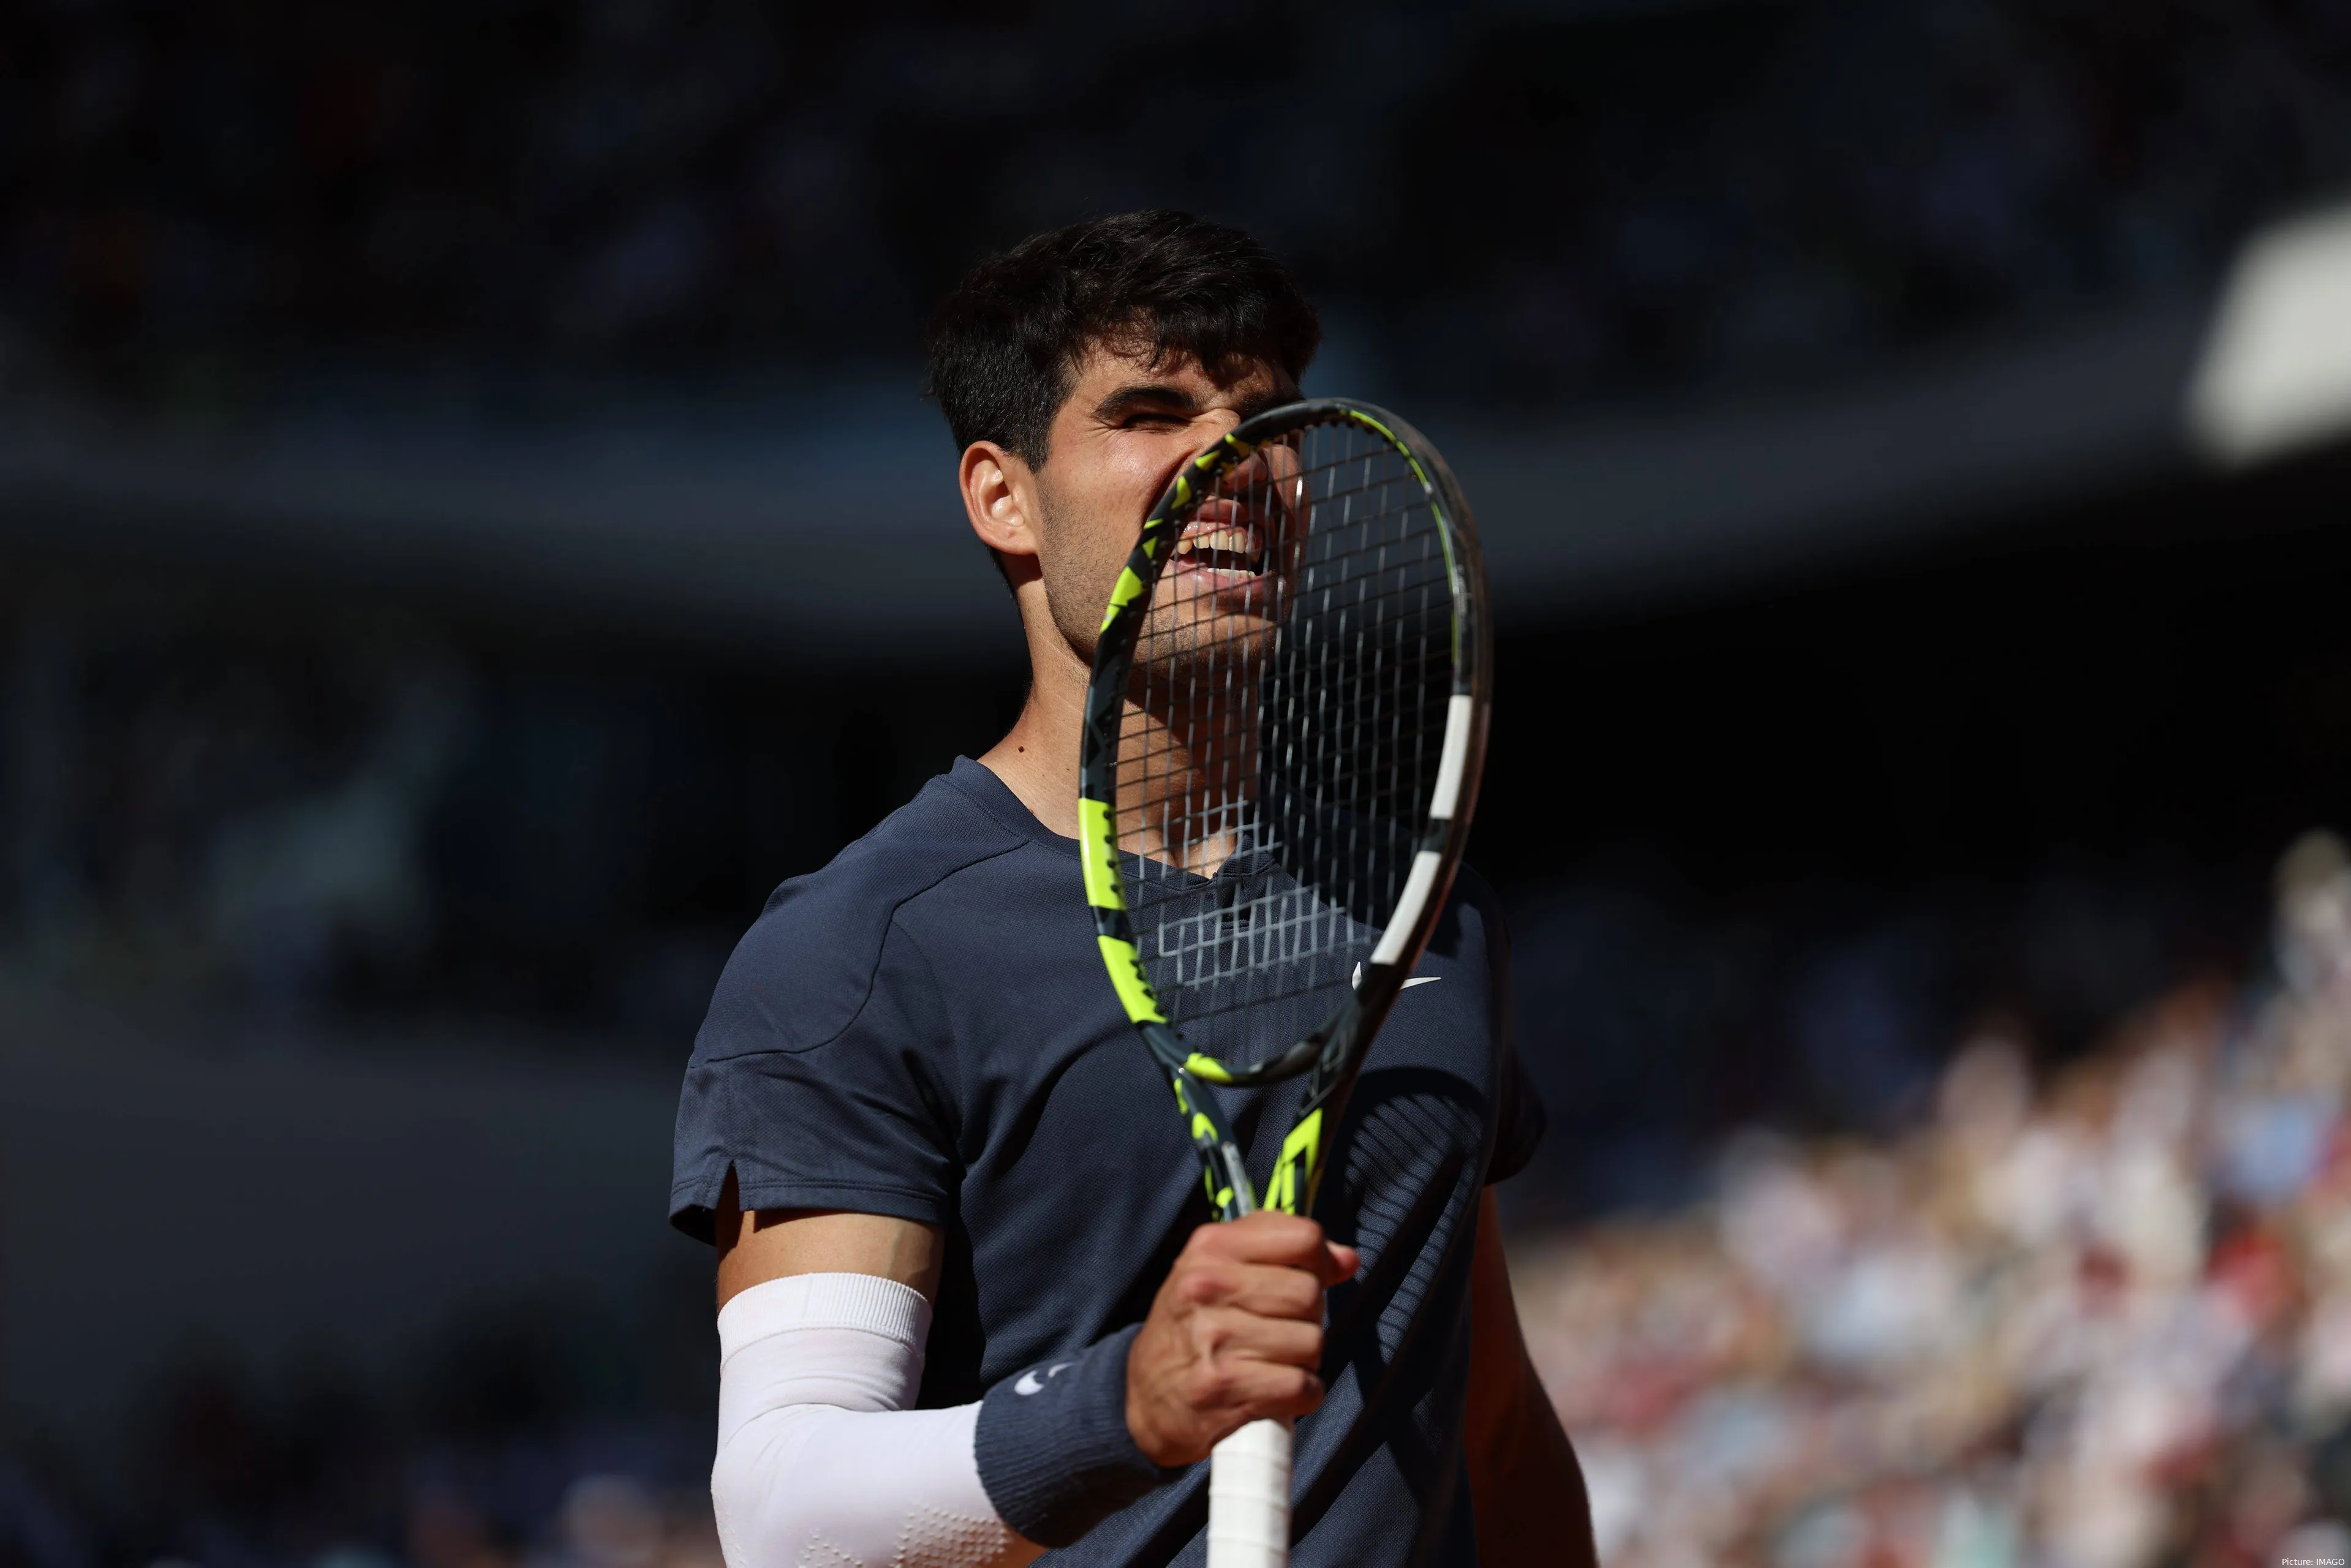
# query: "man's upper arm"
776,1243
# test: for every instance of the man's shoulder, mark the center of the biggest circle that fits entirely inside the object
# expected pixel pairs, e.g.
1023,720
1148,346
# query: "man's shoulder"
1473,912
1473,892
803,971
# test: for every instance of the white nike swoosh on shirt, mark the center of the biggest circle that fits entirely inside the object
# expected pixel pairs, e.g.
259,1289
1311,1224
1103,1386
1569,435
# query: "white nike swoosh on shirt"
1027,1382
1416,980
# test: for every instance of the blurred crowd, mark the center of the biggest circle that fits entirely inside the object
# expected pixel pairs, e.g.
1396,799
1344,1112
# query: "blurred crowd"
2095,1317
528,1436
284,803
1494,202
1789,189
544,1504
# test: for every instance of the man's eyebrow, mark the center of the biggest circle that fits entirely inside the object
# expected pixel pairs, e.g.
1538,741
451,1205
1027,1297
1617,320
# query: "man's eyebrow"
1166,394
1144,394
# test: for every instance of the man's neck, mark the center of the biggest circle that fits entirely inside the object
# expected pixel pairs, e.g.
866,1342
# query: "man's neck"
1187,783
1038,761
1197,767
1038,757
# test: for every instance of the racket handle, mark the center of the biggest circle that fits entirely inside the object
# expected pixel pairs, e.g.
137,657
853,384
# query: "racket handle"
1249,1497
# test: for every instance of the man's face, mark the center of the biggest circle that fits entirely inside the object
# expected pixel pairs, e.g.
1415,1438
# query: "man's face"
1122,433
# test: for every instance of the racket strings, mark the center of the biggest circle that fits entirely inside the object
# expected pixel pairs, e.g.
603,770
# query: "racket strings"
1281,762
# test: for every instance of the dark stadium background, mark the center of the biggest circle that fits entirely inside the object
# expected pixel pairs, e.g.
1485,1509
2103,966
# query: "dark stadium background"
461,471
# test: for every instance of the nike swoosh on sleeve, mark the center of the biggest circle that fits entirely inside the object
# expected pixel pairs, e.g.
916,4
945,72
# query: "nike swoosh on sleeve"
1417,980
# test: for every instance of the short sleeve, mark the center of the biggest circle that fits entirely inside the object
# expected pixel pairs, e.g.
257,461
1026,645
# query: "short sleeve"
1519,1114
853,1121
1519,1121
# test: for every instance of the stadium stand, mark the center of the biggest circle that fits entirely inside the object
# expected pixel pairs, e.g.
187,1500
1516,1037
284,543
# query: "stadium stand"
2103,1319
214,205
1938,1173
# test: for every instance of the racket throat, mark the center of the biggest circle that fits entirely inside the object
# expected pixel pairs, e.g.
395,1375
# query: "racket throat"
1237,1182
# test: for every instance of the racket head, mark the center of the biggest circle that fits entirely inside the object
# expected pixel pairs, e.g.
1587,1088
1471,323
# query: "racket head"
1283,736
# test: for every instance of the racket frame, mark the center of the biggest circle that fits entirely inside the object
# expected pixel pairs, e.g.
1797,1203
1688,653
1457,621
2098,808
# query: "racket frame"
1332,1054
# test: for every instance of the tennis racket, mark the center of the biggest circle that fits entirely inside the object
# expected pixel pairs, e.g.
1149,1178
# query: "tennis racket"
1283,732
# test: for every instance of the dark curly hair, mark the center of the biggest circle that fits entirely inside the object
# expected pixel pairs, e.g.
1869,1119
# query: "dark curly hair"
1004,345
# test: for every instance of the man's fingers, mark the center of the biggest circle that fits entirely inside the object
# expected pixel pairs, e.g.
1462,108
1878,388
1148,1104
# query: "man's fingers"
1279,1241
1231,1337
1251,1385
1245,1391
1261,1288
1235,1334
1268,1388
1300,1397
1265,1236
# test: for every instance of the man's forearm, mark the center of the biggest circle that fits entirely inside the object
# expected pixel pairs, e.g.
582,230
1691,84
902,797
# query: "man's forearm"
819,1450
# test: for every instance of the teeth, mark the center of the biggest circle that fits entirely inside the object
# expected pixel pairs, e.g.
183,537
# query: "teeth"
1231,541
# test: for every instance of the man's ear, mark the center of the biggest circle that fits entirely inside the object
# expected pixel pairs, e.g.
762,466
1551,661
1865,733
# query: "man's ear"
999,495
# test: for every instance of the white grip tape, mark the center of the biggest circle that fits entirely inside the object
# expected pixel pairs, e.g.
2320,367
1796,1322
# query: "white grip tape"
1249,1497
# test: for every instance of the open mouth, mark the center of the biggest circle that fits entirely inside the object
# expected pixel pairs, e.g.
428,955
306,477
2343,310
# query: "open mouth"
1219,538
1222,549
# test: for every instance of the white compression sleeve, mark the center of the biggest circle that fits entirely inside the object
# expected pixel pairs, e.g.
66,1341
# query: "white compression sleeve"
821,1464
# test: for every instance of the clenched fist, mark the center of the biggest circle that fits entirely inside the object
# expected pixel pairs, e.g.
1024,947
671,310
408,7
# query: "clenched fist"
1234,1335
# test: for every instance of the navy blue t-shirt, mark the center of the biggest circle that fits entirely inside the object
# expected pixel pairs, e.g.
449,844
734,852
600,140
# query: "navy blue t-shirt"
924,1028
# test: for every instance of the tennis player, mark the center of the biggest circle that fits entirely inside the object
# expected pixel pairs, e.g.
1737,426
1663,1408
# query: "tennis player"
971,1305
